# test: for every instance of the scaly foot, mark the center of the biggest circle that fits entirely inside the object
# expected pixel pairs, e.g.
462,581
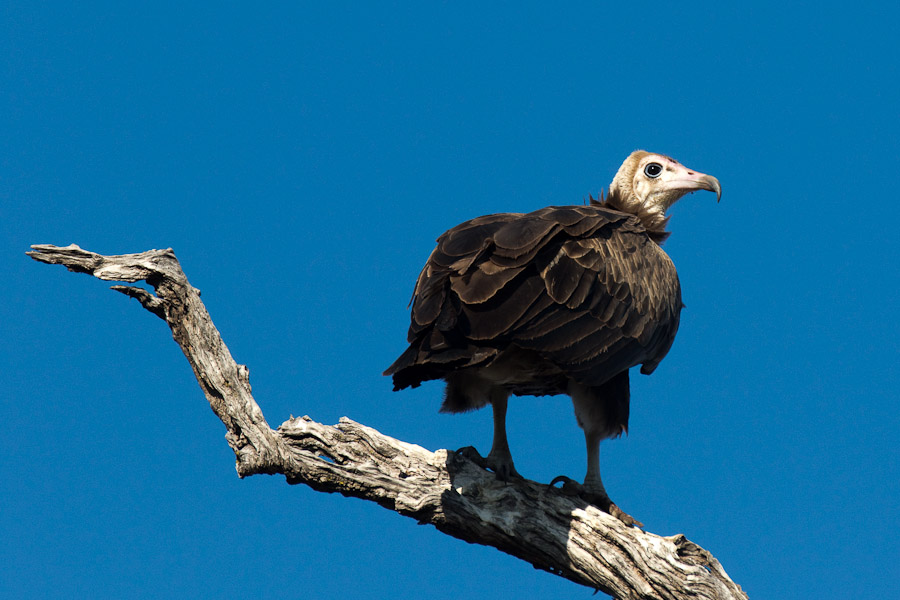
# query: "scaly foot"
501,465
598,498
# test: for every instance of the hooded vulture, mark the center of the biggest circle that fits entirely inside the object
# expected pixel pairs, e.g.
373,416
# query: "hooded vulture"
562,300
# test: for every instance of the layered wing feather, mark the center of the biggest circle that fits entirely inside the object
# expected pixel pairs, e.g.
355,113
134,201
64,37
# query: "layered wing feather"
585,288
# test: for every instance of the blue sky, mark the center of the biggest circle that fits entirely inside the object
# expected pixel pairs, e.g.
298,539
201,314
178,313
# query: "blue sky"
301,160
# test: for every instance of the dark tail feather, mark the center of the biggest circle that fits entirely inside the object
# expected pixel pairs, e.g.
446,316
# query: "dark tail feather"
401,377
419,364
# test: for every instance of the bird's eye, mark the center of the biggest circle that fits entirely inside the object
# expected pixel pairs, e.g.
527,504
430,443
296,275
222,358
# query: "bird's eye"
653,170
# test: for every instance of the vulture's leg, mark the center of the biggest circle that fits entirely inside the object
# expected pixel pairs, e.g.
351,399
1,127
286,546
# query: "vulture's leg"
593,490
468,390
602,412
500,459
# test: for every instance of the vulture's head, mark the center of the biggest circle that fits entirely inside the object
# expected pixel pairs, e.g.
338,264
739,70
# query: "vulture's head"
647,184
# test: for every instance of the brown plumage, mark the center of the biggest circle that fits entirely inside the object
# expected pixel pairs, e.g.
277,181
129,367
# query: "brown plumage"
563,300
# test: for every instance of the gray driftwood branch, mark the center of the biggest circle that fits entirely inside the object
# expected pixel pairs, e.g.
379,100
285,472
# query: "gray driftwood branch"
554,532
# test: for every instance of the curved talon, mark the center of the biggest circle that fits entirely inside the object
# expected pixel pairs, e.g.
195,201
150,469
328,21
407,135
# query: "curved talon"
570,487
472,454
502,467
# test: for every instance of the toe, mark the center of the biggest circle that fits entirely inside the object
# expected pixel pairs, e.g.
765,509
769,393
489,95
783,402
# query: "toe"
472,454
570,487
623,516
603,502
599,499
503,467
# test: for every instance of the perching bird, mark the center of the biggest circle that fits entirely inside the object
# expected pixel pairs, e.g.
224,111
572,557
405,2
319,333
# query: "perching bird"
562,300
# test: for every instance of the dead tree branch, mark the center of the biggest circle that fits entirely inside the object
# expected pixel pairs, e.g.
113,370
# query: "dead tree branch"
540,525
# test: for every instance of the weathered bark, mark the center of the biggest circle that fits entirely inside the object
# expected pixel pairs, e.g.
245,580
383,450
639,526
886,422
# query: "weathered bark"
558,533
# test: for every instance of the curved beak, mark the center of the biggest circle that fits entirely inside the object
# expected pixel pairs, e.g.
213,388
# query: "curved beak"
708,182
691,181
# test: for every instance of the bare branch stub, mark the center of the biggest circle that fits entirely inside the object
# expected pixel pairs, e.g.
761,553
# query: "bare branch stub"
224,382
553,532
147,300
